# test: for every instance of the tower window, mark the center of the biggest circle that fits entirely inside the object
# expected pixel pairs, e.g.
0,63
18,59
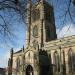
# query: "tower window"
35,31
35,14
48,34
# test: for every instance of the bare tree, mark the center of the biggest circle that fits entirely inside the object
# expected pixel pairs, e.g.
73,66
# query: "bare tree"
8,8
65,12
19,7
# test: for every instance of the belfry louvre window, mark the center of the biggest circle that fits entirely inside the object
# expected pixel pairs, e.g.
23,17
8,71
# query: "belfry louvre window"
48,35
56,62
35,14
71,60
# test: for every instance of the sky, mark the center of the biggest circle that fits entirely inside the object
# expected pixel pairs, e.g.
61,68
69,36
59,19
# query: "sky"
19,29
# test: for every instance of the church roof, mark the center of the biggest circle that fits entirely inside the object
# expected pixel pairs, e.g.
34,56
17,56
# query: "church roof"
63,42
18,52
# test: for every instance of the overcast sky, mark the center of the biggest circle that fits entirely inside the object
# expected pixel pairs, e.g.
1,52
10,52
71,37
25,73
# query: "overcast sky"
20,32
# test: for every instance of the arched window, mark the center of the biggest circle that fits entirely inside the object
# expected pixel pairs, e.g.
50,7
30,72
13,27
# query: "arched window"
56,62
35,14
71,60
18,64
23,60
74,62
35,31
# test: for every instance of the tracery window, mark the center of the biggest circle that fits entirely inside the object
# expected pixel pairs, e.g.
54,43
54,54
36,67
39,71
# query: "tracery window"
18,64
56,62
71,60
23,59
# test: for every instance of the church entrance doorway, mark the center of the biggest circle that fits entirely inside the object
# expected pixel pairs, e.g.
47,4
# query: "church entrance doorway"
29,70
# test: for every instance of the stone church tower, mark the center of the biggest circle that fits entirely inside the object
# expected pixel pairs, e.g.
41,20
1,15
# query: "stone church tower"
44,54
41,29
41,23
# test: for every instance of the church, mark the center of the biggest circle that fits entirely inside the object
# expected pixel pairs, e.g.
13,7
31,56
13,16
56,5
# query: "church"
44,54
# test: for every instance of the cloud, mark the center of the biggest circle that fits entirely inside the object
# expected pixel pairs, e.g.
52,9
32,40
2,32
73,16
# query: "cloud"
67,30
